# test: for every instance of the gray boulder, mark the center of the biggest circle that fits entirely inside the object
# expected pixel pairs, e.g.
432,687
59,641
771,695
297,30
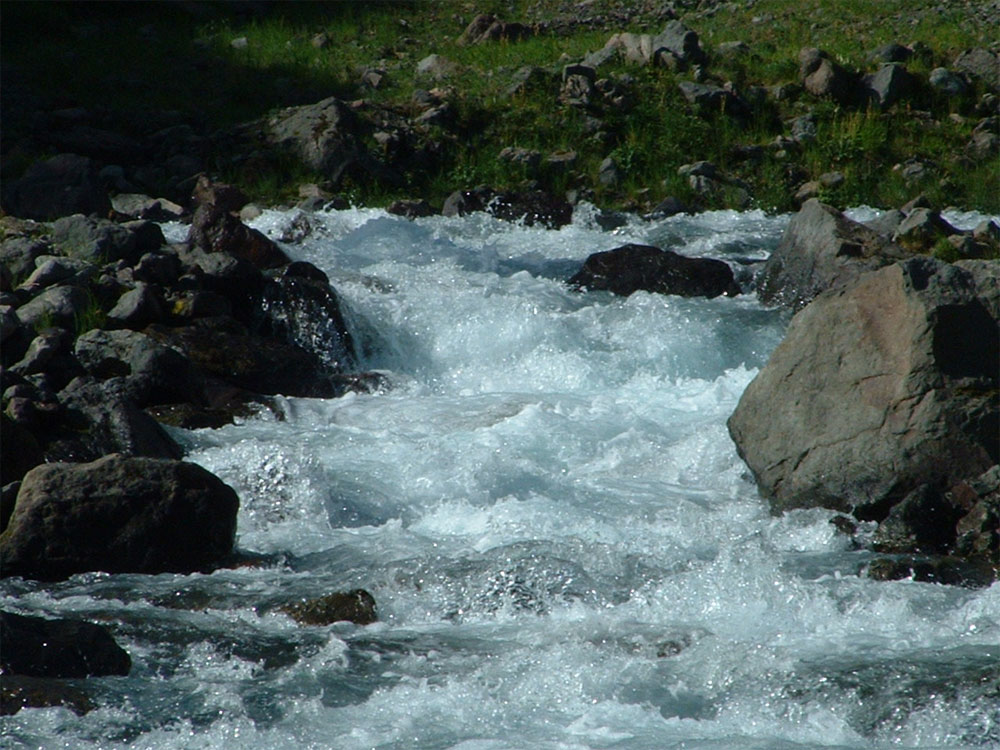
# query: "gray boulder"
94,240
948,83
820,249
18,254
119,515
57,305
892,83
138,307
981,64
679,41
878,388
823,77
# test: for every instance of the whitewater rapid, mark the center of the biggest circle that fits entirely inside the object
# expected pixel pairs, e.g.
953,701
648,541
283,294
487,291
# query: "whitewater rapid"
565,549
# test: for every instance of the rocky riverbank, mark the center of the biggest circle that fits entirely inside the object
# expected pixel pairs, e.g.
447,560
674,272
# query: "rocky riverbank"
109,331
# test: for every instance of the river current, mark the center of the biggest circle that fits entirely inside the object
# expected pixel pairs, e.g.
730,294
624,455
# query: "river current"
565,548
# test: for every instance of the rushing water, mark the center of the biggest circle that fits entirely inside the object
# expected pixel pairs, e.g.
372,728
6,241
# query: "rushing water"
565,549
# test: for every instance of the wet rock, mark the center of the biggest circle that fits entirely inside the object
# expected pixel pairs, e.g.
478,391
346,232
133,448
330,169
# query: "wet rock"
632,268
945,570
411,209
530,207
886,384
59,186
17,692
120,515
39,647
978,531
923,521
821,249
357,606
669,206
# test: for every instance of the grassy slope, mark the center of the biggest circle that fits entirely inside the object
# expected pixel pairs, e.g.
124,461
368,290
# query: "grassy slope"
174,59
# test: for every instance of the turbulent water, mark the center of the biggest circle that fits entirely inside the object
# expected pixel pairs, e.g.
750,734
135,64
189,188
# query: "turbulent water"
565,549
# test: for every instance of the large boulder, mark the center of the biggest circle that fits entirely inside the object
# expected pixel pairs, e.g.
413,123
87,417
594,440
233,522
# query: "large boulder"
823,77
529,207
38,647
632,268
120,515
821,249
878,388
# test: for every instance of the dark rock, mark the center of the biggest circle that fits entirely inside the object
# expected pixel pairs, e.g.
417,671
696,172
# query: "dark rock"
39,647
669,206
923,521
148,235
710,99
886,384
160,375
632,268
981,64
19,253
530,79
20,451
59,186
892,83
411,209
948,83
921,229
530,207
577,90
8,496
46,345
609,174
56,270
978,531
891,53
17,692
102,418
216,229
119,515
821,249
94,240
887,223
138,308
57,305
822,77
305,310
949,571
157,268
223,349
357,606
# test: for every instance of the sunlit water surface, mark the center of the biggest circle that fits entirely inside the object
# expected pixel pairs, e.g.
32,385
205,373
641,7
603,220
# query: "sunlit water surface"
565,549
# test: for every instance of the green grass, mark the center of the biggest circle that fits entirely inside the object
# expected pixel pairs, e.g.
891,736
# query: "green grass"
182,59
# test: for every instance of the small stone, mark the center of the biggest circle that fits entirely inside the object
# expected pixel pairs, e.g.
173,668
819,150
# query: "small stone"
357,606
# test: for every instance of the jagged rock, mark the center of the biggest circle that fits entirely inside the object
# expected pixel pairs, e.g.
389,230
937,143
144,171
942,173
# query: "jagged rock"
94,240
55,270
821,249
635,48
981,64
119,515
59,186
632,268
947,82
357,606
978,531
879,387
577,90
892,83
680,42
923,521
215,228
921,229
40,647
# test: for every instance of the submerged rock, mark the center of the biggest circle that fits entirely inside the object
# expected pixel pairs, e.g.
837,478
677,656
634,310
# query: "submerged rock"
633,268
120,515
878,388
357,606
39,647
